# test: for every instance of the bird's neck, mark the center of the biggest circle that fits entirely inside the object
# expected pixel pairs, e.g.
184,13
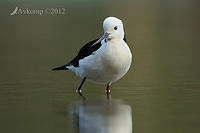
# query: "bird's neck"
113,39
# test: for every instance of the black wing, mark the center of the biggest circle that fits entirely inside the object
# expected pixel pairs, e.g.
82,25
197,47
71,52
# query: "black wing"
85,51
124,38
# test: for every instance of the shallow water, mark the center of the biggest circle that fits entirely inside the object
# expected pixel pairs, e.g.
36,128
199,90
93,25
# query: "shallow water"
162,87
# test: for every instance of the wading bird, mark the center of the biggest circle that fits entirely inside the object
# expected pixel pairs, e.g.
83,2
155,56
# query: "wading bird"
104,60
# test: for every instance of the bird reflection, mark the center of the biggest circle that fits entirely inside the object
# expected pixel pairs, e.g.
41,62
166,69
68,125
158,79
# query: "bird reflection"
101,115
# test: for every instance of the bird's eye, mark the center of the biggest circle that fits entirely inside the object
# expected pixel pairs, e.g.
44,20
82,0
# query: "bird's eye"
115,28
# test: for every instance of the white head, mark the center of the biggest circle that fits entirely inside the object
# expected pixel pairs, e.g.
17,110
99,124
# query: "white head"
113,27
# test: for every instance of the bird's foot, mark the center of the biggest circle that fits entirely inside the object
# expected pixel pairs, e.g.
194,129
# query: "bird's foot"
107,91
80,94
78,91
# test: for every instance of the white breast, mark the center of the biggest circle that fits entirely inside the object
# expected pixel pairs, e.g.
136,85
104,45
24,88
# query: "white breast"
108,64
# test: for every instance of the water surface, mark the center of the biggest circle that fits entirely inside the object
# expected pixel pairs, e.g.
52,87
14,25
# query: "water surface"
161,88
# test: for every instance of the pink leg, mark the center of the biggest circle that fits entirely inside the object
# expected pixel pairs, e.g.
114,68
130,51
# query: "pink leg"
108,90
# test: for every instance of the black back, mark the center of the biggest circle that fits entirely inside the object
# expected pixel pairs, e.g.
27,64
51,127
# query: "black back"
124,38
85,51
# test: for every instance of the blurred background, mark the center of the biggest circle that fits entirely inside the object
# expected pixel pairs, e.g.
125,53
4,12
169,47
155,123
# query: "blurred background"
162,87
